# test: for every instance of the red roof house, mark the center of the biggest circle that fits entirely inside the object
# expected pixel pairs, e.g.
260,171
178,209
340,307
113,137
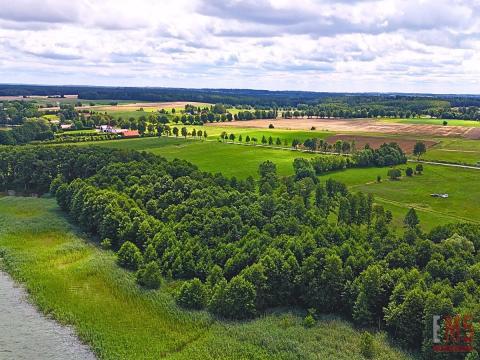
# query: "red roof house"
130,133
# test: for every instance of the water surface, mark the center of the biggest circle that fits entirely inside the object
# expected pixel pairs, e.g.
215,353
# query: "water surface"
26,334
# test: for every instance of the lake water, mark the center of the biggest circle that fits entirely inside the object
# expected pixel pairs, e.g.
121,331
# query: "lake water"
27,334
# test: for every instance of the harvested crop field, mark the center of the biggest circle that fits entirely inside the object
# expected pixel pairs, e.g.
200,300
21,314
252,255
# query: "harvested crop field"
362,125
150,105
376,142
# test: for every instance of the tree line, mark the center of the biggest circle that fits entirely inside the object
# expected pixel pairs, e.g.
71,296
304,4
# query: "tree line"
242,246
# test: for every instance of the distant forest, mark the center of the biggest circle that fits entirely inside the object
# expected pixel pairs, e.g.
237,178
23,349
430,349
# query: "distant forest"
227,96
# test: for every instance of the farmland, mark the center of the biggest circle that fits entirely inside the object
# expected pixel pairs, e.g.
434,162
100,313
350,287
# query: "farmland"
78,284
431,121
52,241
365,126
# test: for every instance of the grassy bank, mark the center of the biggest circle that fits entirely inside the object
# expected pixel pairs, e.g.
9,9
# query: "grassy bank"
81,285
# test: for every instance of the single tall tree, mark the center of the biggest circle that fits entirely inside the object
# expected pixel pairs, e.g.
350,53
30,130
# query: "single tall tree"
411,219
419,149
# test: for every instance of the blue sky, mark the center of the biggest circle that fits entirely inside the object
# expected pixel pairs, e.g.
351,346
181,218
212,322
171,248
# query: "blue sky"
344,45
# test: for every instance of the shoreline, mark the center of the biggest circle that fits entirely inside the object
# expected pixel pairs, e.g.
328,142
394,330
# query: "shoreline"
27,333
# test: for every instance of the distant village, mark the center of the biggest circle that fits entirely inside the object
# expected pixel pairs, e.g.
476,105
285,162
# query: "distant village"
126,133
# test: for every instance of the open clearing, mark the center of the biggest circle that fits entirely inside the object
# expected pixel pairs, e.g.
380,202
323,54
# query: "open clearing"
363,125
375,142
80,285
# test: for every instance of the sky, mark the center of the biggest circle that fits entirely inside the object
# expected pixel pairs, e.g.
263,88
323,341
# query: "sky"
428,46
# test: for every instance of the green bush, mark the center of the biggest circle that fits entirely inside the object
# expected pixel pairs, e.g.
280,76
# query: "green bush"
106,244
192,295
149,275
129,256
367,347
309,321
235,299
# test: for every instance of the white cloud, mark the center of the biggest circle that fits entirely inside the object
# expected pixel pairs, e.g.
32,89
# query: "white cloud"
388,45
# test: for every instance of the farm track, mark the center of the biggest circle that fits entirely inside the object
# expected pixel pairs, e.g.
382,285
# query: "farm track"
445,164
420,208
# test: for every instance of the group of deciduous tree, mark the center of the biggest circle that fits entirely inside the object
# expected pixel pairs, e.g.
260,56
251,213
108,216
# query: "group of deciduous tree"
241,246
30,130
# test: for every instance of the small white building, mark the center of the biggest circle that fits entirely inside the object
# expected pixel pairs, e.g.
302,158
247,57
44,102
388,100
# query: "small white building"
111,129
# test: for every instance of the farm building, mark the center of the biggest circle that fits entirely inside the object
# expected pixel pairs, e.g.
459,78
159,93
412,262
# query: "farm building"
130,133
111,129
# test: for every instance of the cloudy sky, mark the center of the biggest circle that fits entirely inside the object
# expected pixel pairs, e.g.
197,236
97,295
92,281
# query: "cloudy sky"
320,45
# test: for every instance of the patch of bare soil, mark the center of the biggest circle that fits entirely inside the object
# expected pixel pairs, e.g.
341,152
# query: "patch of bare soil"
145,105
362,125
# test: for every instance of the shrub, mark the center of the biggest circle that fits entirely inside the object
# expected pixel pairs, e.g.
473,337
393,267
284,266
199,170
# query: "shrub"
149,275
106,244
235,299
367,347
129,256
309,321
445,122
271,126
419,168
394,174
379,179
409,171
192,294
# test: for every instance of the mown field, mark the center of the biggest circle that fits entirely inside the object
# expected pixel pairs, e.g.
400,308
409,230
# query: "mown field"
78,284
214,132
398,196
212,156
429,121
455,150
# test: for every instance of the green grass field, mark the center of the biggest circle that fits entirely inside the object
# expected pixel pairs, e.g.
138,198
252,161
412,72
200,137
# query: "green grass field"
455,150
51,117
399,196
214,131
429,121
78,284
212,156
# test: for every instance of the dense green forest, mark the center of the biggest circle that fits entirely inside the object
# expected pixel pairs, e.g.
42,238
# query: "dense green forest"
243,246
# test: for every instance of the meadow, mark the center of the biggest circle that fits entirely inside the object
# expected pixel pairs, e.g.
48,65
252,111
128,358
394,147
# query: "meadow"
212,156
400,195
430,121
75,282
455,150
